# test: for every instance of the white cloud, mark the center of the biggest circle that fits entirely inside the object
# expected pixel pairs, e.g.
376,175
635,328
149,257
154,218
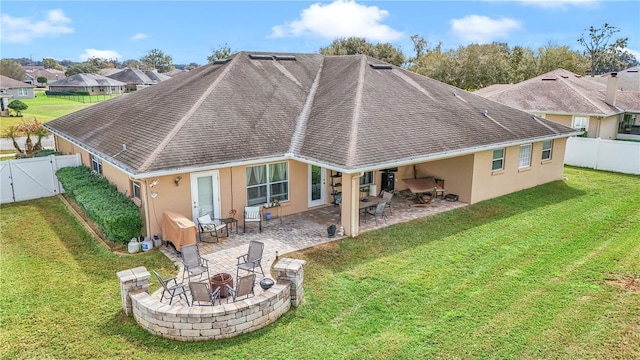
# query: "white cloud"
340,19
102,54
635,53
139,36
23,30
561,4
482,29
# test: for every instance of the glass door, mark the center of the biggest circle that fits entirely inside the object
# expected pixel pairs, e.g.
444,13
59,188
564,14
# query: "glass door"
317,188
205,194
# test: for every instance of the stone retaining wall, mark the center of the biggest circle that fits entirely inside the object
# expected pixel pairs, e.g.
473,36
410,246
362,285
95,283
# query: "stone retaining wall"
197,323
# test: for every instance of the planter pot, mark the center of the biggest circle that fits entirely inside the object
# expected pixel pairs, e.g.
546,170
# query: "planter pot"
219,281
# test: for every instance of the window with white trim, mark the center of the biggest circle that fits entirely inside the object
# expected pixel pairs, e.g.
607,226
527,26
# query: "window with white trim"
135,189
96,164
22,92
580,123
525,156
498,160
266,183
366,178
546,149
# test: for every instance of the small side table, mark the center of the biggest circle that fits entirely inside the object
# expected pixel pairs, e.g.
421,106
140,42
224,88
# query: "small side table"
230,223
277,209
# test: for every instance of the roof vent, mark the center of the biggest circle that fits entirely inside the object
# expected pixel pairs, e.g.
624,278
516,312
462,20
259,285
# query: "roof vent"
381,66
633,71
549,78
455,93
221,61
614,74
533,117
485,112
261,57
285,57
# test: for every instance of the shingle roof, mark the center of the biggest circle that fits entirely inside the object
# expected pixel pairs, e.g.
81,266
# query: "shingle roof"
628,79
561,91
9,83
132,76
333,110
87,80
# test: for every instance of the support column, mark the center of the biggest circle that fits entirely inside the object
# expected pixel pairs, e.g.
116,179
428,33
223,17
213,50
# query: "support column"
292,270
132,280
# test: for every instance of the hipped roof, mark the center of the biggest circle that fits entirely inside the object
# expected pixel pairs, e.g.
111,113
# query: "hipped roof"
336,111
87,80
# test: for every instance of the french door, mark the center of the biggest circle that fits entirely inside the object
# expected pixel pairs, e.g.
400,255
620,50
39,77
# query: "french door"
205,194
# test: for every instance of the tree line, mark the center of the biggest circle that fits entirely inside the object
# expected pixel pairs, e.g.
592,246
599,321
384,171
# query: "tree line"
468,67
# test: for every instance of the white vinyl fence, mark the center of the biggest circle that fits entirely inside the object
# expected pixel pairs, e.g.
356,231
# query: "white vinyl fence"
32,178
599,154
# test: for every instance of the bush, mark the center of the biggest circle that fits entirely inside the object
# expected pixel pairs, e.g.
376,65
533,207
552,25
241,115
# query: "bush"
115,213
45,152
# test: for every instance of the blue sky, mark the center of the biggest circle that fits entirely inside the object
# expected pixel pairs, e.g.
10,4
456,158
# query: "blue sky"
189,31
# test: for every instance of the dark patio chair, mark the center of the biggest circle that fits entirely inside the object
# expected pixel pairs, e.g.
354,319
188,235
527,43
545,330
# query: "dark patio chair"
202,294
252,259
388,196
244,287
378,211
171,288
194,265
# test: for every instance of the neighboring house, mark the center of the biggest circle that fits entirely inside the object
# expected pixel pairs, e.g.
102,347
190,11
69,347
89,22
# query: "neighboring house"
94,84
175,72
138,79
261,126
573,100
51,75
11,89
628,80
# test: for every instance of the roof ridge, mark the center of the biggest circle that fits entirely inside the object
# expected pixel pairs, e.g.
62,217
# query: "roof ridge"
301,123
587,98
163,144
353,136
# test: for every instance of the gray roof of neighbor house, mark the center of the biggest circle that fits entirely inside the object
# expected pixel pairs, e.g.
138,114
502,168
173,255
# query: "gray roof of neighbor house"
562,92
50,74
350,113
628,79
156,76
87,80
9,83
132,76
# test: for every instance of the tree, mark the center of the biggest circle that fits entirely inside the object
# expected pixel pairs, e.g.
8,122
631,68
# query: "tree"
83,68
157,60
603,54
12,69
18,106
26,129
132,64
355,45
551,57
220,53
42,80
49,63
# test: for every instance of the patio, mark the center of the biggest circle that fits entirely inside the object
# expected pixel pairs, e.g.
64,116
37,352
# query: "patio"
301,231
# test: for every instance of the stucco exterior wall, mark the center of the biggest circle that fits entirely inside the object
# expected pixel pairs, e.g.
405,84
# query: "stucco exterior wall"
609,128
488,184
456,173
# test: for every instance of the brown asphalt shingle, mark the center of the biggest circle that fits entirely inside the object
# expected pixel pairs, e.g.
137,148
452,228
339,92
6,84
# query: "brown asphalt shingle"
334,110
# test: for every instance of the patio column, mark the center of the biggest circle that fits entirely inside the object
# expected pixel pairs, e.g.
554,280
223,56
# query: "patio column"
350,204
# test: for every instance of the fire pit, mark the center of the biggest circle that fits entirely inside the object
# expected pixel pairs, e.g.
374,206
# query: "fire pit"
219,281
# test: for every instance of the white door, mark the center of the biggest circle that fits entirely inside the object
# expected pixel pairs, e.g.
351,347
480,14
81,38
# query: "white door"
205,193
317,188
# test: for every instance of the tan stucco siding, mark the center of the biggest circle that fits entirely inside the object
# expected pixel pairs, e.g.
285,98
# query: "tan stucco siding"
488,184
560,119
456,173
609,128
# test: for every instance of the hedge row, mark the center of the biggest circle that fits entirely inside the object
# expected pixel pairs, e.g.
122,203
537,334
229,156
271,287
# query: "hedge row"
115,213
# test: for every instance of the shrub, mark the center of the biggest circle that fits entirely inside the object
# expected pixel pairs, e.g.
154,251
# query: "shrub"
45,152
115,213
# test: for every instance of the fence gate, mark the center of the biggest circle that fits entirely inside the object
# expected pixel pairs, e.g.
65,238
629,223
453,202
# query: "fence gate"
33,178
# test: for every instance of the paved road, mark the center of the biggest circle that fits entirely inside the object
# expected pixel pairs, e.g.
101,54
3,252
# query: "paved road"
7,144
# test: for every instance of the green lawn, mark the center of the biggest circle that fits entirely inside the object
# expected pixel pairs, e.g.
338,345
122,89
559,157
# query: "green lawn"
539,274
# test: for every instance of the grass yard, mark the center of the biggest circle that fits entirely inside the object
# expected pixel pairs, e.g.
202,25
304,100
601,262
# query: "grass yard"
546,273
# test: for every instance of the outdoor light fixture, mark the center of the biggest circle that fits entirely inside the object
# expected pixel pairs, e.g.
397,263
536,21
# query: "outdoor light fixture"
177,180
154,182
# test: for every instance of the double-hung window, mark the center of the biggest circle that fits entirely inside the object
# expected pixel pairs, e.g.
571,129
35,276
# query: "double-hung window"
266,183
22,92
546,149
135,189
96,164
525,156
366,178
497,163
580,123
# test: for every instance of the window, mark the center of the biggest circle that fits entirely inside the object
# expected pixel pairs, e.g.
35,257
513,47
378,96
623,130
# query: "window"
580,123
366,178
266,183
546,149
525,156
96,164
135,186
498,160
22,92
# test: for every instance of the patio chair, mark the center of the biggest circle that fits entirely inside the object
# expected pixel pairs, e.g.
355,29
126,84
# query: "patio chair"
251,260
214,227
244,287
171,288
202,294
194,265
388,196
378,211
252,214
